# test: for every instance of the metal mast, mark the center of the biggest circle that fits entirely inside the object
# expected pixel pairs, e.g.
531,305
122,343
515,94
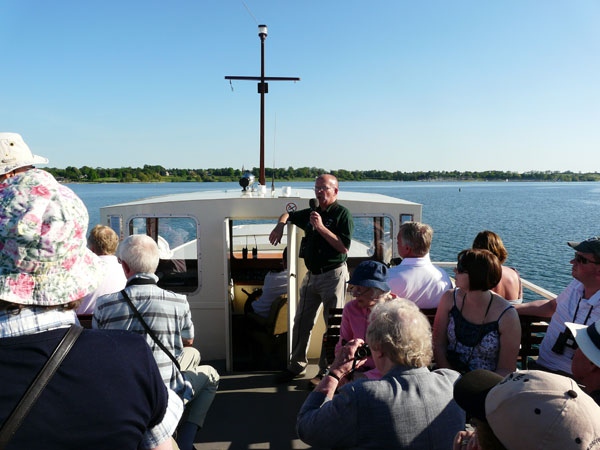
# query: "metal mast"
263,88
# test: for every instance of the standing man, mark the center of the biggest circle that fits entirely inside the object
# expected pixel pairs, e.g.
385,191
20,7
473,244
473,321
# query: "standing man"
328,233
103,241
168,329
578,303
416,278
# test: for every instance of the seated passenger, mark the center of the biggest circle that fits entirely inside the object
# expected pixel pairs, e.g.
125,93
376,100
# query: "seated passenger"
526,410
578,303
167,265
369,286
509,286
586,362
103,241
475,328
410,407
164,319
107,392
275,285
416,278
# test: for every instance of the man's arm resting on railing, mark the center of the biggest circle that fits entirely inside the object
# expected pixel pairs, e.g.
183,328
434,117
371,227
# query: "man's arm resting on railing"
277,233
541,308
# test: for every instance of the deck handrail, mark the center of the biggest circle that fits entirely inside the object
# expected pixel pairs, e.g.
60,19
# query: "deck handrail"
526,284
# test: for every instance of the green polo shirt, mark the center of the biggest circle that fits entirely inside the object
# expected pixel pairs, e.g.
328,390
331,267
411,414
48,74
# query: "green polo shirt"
318,253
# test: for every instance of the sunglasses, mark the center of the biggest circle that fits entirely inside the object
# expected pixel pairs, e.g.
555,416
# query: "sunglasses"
357,291
582,260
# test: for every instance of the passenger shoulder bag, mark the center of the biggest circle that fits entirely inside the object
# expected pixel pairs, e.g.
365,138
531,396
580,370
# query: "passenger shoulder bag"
149,330
14,421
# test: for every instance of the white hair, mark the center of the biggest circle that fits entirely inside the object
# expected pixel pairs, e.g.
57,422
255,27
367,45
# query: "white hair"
402,332
140,253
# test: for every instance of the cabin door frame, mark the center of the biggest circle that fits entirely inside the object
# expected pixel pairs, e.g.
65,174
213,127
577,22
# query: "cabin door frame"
228,290
292,263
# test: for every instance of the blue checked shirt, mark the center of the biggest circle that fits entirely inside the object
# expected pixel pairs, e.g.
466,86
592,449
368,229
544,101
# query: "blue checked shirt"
166,313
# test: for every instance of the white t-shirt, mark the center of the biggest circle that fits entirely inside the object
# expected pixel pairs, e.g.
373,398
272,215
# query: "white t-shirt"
566,304
114,281
275,284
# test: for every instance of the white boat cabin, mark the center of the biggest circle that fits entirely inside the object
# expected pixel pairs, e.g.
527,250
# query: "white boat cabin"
214,244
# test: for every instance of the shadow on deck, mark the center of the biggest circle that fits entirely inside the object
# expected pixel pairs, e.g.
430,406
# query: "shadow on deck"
250,411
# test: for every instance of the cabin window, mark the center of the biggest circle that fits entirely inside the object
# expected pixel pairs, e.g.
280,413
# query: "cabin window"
177,239
373,238
116,223
250,240
406,218
250,253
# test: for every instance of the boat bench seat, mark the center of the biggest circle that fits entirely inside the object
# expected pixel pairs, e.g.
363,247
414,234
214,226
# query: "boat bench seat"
268,335
533,329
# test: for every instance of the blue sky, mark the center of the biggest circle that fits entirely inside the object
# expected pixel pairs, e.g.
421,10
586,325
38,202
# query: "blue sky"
394,85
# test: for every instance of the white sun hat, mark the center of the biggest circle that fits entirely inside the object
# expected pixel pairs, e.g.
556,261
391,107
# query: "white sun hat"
588,339
14,153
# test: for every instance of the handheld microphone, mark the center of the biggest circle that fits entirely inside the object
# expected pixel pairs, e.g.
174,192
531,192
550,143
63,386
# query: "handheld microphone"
313,207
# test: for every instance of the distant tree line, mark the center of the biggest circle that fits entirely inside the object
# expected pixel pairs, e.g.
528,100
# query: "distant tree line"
160,174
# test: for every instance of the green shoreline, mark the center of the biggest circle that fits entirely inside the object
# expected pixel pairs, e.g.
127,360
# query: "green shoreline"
158,174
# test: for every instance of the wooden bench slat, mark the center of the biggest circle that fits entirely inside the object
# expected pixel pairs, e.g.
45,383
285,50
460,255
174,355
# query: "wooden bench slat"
533,329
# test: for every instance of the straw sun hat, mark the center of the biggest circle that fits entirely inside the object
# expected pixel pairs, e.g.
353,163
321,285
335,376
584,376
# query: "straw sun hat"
43,255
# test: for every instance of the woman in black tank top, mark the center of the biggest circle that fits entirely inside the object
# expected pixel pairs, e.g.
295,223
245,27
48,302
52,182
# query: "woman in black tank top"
475,328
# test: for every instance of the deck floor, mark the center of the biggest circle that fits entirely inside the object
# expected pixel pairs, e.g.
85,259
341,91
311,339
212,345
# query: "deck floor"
250,411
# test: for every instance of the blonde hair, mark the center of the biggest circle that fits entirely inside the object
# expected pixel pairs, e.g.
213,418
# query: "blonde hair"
103,240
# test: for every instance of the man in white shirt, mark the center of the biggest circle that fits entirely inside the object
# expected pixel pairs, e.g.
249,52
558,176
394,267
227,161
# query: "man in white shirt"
416,278
275,285
103,241
578,303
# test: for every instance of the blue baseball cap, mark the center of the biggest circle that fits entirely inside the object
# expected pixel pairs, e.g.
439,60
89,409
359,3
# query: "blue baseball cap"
371,274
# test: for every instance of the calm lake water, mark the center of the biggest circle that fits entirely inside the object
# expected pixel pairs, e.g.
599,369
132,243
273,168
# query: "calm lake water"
535,220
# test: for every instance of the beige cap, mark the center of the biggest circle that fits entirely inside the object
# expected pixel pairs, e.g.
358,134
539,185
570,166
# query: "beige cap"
540,410
14,153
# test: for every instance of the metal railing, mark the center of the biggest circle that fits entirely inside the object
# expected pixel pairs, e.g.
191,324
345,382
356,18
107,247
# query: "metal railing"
526,284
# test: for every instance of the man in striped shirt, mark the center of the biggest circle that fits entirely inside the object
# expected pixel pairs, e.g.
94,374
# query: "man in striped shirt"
168,316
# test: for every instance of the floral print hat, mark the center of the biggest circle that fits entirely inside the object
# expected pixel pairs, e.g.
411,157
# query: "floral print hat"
43,255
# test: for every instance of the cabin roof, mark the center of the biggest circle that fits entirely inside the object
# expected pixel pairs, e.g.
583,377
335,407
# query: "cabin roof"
237,194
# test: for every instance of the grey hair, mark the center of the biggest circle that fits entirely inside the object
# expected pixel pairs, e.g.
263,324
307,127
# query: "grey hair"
140,253
417,236
400,330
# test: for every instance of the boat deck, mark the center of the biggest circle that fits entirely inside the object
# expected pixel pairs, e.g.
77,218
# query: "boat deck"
250,411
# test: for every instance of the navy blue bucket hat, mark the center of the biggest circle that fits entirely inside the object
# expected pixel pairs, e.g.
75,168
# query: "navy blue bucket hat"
370,274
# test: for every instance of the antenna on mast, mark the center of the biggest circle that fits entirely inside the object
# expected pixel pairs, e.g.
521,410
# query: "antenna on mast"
263,88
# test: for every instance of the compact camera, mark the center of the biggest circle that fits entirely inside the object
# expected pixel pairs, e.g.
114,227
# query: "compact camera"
564,339
362,352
